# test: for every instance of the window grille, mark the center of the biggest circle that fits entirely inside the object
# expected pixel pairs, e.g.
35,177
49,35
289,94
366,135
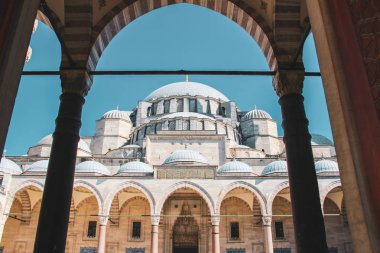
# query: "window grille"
282,250
172,125
331,250
235,250
192,105
135,250
279,229
91,230
234,231
136,230
87,250
166,106
180,105
186,125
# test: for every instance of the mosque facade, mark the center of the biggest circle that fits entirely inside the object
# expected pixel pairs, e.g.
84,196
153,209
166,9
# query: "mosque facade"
184,172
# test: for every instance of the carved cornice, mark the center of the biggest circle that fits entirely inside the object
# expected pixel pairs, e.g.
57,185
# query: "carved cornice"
288,81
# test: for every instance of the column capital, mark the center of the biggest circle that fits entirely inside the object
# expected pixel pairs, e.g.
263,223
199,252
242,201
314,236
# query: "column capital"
215,220
103,219
288,81
155,219
76,80
267,220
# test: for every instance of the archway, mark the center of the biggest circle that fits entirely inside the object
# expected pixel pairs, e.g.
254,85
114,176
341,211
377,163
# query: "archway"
241,220
245,16
282,221
185,222
22,219
336,223
129,211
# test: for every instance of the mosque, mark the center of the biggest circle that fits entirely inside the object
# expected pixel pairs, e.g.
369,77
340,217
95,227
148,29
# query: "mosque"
184,172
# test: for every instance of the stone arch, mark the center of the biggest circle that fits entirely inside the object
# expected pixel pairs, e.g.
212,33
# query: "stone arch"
110,197
25,184
127,11
240,184
92,189
274,193
26,207
327,189
190,185
54,22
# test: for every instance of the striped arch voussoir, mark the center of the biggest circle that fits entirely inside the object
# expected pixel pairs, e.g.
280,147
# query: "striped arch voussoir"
127,11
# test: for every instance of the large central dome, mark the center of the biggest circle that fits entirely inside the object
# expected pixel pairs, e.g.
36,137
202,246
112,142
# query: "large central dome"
186,89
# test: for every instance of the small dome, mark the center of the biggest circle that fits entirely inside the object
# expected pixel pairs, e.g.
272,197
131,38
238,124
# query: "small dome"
48,140
135,167
116,114
235,167
9,166
92,167
39,166
275,167
186,89
185,115
326,166
318,139
185,155
256,114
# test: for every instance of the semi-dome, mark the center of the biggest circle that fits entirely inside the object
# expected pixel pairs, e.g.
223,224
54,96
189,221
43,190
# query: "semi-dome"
185,155
135,167
9,166
326,166
318,139
275,167
39,166
235,167
256,114
116,114
48,140
92,167
186,89
185,115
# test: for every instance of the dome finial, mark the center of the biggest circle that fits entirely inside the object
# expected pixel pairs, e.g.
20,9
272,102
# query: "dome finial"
187,78
255,107
117,107
4,152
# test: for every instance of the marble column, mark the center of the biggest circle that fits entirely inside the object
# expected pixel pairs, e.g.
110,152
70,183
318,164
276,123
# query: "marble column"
56,200
103,219
267,227
215,221
309,228
154,237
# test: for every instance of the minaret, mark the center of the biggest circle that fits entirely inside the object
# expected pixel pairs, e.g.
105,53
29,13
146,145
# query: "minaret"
30,51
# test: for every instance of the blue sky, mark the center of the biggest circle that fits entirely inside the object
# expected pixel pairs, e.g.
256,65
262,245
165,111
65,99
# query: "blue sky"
181,36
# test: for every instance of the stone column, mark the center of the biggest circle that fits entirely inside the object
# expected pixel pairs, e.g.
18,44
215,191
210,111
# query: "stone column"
308,221
154,237
215,220
103,219
56,200
267,227
16,25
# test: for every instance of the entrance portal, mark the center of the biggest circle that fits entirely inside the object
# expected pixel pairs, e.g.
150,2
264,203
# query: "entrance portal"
185,232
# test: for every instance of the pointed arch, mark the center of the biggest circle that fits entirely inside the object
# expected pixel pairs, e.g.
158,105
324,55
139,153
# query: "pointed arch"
25,184
127,11
241,184
327,189
92,189
274,193
130,184
189,185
